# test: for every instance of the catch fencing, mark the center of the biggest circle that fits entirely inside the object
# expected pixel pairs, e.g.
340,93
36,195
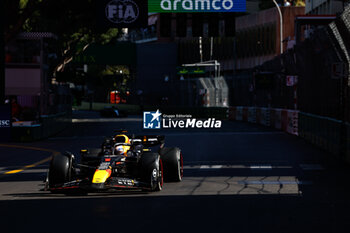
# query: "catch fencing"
319,90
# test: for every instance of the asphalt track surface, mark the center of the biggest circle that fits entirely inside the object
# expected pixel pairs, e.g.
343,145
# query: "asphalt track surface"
241,178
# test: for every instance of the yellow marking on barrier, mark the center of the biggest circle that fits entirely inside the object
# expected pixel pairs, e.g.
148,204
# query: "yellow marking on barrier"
13,172
53,152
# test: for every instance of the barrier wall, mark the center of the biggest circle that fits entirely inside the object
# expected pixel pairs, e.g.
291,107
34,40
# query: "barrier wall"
321,131
265,114
239,113
286,120
276,118
49,125
252,114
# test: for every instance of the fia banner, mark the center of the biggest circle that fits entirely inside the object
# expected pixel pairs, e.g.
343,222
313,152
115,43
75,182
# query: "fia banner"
122,14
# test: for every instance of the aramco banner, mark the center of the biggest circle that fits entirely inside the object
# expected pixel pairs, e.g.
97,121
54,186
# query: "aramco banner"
174,6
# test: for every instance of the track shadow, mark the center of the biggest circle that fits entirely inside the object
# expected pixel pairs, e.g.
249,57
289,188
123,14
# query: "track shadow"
244,213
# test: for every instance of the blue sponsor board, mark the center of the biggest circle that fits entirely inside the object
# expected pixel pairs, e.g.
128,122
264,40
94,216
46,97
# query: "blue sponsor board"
5,123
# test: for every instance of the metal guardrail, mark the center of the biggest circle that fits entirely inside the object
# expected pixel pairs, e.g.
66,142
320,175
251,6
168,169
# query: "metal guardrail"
323,132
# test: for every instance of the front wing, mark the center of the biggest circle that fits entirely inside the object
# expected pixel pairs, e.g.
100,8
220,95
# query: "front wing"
111,183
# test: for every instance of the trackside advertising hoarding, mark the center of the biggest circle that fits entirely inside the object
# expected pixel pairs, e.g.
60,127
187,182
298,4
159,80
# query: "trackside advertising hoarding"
175,6
5,123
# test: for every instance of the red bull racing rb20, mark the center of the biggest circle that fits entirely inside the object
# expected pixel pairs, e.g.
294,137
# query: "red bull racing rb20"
122,162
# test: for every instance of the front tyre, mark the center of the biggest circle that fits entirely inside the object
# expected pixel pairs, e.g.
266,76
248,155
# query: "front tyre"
152,171
157,177
61,169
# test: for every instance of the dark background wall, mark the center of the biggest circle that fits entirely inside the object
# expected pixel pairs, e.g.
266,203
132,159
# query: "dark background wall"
154,62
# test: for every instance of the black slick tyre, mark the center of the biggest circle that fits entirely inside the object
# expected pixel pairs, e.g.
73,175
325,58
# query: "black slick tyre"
173,163
152,172
60,170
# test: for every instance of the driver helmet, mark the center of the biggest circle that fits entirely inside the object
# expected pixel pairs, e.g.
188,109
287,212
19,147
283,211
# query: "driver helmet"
120,147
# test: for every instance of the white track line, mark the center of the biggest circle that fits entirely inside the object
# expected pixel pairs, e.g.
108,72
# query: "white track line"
264,167
106,120
189,134
311,167
238,166
211,167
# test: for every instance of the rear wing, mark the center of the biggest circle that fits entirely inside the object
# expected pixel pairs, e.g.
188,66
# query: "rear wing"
148,140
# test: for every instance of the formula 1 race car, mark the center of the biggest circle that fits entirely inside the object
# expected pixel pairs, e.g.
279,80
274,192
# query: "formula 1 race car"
122,162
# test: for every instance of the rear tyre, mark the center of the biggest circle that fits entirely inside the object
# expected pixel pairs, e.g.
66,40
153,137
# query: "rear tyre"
173,163
152,171
61,169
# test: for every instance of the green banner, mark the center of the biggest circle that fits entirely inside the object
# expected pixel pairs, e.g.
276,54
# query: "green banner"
190,70
175,6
